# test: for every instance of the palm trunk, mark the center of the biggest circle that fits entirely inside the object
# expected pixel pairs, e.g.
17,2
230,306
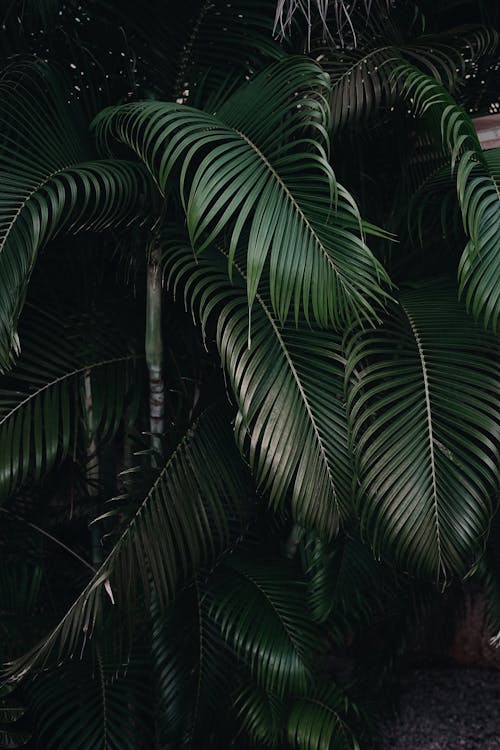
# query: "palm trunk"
154,349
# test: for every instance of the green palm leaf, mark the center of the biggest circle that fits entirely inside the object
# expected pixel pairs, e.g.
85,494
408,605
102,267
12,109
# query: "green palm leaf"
261,165
194,667
367,82
261,609
362,84
94,703
345,584
228,41
184,517
288,387
447,57
50,183
41,399
423,407
477,191
261,713
322,721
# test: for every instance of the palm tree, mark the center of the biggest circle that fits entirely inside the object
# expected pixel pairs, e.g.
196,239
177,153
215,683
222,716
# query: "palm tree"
313,452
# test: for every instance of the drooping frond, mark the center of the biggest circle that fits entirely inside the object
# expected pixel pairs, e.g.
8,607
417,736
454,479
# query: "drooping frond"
345,584
322,721
478,191
227,42
448,57
194,668
183,519
93,703
49,183
260,165
261,609
371,81
288,386
41,400
261,713
362,83
423,406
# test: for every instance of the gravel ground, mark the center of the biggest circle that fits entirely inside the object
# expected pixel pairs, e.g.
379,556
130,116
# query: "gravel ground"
447,709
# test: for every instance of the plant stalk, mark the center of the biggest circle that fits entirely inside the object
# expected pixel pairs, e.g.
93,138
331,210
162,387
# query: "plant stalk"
154,349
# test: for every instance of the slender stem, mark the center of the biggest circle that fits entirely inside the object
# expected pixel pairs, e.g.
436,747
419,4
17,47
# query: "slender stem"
154,348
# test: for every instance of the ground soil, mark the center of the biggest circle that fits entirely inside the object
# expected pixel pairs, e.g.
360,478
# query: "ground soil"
453,708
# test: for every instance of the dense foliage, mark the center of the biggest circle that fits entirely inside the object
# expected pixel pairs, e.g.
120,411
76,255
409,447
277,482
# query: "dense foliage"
293,230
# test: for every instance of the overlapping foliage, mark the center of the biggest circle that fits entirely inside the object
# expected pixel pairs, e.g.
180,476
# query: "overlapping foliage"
330,443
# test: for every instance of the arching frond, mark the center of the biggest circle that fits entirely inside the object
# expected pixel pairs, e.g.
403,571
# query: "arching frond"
287,385
477,191
423,406
41,399
182,519
369,81
254,166
261,609
447,57
261,713
345,584
50,183
93,703
362,84
322,721
195,670
227,42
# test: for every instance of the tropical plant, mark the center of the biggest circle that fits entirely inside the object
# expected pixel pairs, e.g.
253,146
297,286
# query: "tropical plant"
248,405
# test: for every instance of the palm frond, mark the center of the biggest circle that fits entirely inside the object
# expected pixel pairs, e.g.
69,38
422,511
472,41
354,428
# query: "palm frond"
322,720
261,609
449,57
182,519
227,42
262,172
194,667
262,715
287,385
346,586
93,703
369,81
477,191
423,407
41,399
50,183
362,84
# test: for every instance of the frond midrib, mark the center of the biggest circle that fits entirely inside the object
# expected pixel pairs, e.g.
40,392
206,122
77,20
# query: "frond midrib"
331,263
430,431
268,599
299,385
